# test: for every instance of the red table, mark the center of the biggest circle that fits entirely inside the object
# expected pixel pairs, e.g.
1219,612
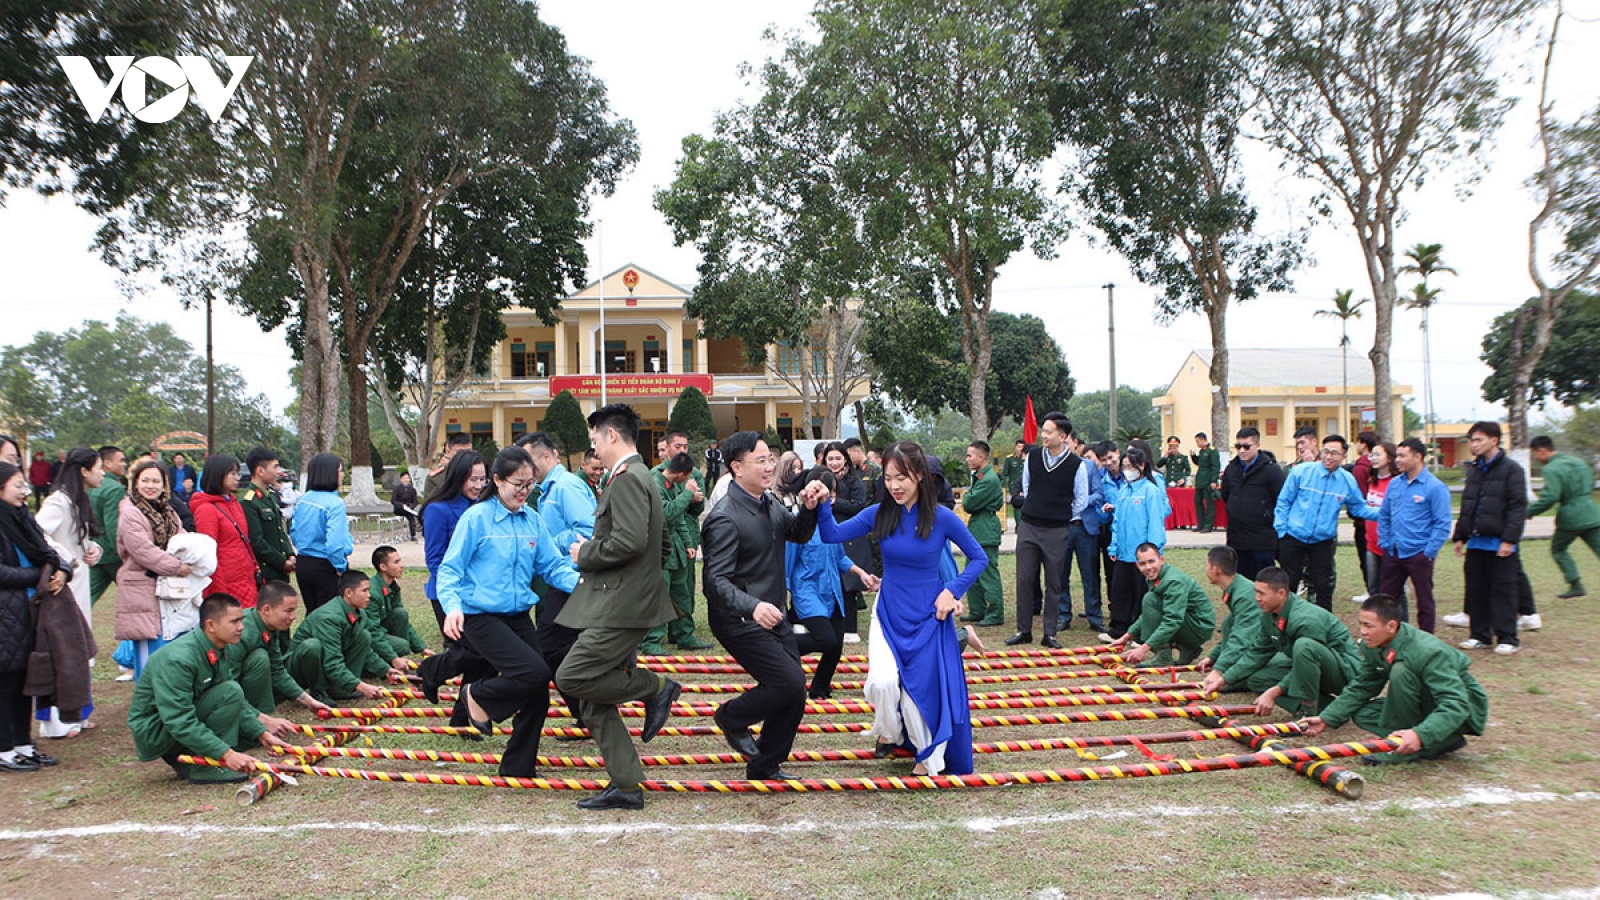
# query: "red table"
1182,502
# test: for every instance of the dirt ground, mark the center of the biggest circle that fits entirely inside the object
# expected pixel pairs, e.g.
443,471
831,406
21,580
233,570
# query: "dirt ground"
1517,811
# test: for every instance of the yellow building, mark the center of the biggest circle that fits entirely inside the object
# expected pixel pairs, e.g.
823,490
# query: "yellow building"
1277,392
651,349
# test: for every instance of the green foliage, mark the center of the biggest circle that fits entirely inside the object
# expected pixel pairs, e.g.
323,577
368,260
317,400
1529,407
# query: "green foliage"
903,338
691,414
774,442
566,424
128,384
1091,415
1580,435
1413,420
1567,372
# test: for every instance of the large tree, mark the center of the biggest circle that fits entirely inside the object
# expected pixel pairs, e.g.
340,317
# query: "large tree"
353,126
1151,97
1368,97
1569,185
947,128
1566,371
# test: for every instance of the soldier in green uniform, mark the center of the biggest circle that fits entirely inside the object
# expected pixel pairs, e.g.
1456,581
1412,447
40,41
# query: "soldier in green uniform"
1432,700
1243,659
187,701
1176,615
1011,469
105,500
270,670
1175,466
1322,655
388,622
269,534
1569,482
1207,482
347,652
682,501
986,600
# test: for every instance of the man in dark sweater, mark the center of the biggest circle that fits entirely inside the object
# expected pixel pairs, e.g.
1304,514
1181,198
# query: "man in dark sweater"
1494,509
1053,481
1250,486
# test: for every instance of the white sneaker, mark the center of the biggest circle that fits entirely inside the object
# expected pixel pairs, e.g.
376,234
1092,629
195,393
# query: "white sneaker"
851,637
1505,649
799,629
1105,637
1529,623
1458,620
1359,598
1473,644
126,676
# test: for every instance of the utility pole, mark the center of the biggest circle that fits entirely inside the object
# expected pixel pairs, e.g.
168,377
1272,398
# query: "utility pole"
211,388
1111,330
599,259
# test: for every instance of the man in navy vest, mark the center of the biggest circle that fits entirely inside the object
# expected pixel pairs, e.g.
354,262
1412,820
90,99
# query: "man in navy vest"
1053,480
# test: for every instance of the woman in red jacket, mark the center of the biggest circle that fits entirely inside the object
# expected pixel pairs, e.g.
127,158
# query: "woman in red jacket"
217,513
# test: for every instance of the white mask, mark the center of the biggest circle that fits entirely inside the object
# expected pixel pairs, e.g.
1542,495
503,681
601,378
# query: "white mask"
1132,474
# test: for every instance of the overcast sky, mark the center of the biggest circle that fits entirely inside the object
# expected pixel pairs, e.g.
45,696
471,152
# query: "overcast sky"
670,67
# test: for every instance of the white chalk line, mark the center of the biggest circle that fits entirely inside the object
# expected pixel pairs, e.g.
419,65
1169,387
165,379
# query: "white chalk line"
1471,797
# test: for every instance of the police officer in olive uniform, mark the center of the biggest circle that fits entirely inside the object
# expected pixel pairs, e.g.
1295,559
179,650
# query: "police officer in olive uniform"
269,534
187,702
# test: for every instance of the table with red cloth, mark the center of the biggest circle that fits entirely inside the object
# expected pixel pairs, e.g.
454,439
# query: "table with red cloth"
1181,499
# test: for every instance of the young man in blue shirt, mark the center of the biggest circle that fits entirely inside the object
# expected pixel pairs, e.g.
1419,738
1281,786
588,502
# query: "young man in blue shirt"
1307,518
1413,524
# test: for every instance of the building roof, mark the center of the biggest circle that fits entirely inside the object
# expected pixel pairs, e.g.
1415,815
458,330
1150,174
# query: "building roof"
1292,368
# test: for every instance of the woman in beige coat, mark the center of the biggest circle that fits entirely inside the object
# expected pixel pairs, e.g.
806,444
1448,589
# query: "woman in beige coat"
144,526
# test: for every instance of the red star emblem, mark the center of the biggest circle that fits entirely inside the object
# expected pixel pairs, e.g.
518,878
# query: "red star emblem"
211,657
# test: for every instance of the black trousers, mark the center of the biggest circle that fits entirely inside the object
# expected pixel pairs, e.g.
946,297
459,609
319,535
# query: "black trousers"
854,603
16,711
319,581
772,657
1127,597
1492,590
521,690
824,635
1311,563
1361,526
1251,562
555,641
1040,546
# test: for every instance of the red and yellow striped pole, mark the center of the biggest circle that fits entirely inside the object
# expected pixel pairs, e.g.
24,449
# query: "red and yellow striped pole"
1263,758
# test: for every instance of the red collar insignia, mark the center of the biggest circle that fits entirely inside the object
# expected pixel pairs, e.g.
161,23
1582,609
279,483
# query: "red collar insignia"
352,618
211,657
1282,623
1389,657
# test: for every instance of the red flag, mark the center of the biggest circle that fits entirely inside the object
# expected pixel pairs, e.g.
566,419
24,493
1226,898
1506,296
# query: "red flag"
1030,425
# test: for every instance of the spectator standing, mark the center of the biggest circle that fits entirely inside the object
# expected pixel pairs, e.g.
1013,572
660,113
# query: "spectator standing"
1174,465
852,496
1362,470
1207,478
404,502
1494,509
39,476
1250,488
981,501
321,532
1414,524
105,499
68,521
146,523
1306,519
450,494
1380,472
24,553
1053,478
182,475
1141,509
263,513
218,515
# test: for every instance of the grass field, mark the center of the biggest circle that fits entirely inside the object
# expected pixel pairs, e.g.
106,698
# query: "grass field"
1517,811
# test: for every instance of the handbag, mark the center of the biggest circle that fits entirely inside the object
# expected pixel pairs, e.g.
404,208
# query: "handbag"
261,580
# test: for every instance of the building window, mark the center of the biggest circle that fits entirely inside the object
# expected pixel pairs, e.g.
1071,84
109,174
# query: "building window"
482,434
519,359
789,360
518,427
655,359
452,428
544,356
618,358
688,357
1300,423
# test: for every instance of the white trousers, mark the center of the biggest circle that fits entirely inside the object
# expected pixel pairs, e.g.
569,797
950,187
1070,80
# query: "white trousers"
895,716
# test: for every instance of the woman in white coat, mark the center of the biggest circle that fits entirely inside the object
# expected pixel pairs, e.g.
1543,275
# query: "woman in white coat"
70,525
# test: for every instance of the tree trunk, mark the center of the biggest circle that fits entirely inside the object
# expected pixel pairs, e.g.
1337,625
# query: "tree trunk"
1218,317
1378,247
977,344
319,369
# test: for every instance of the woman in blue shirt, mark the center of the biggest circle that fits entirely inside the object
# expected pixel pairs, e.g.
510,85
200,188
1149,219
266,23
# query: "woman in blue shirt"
1140,516
459,487
320,530
915,679
499,547
816,591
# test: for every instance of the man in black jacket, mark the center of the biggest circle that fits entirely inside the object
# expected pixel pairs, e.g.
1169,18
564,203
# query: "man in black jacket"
746,601
1494,509
1250,486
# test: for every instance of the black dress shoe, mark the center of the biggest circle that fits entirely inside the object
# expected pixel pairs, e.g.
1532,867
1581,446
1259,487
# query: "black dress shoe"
1021,637
1050,642
18,764
43,759
614,798
659,710
779,775
739,739
884,750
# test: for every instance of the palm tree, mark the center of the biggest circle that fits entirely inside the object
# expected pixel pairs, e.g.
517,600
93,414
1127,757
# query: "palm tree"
1344,311
1425,261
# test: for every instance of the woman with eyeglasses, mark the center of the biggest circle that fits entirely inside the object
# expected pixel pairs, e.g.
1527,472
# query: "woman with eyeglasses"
500,545
321,532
